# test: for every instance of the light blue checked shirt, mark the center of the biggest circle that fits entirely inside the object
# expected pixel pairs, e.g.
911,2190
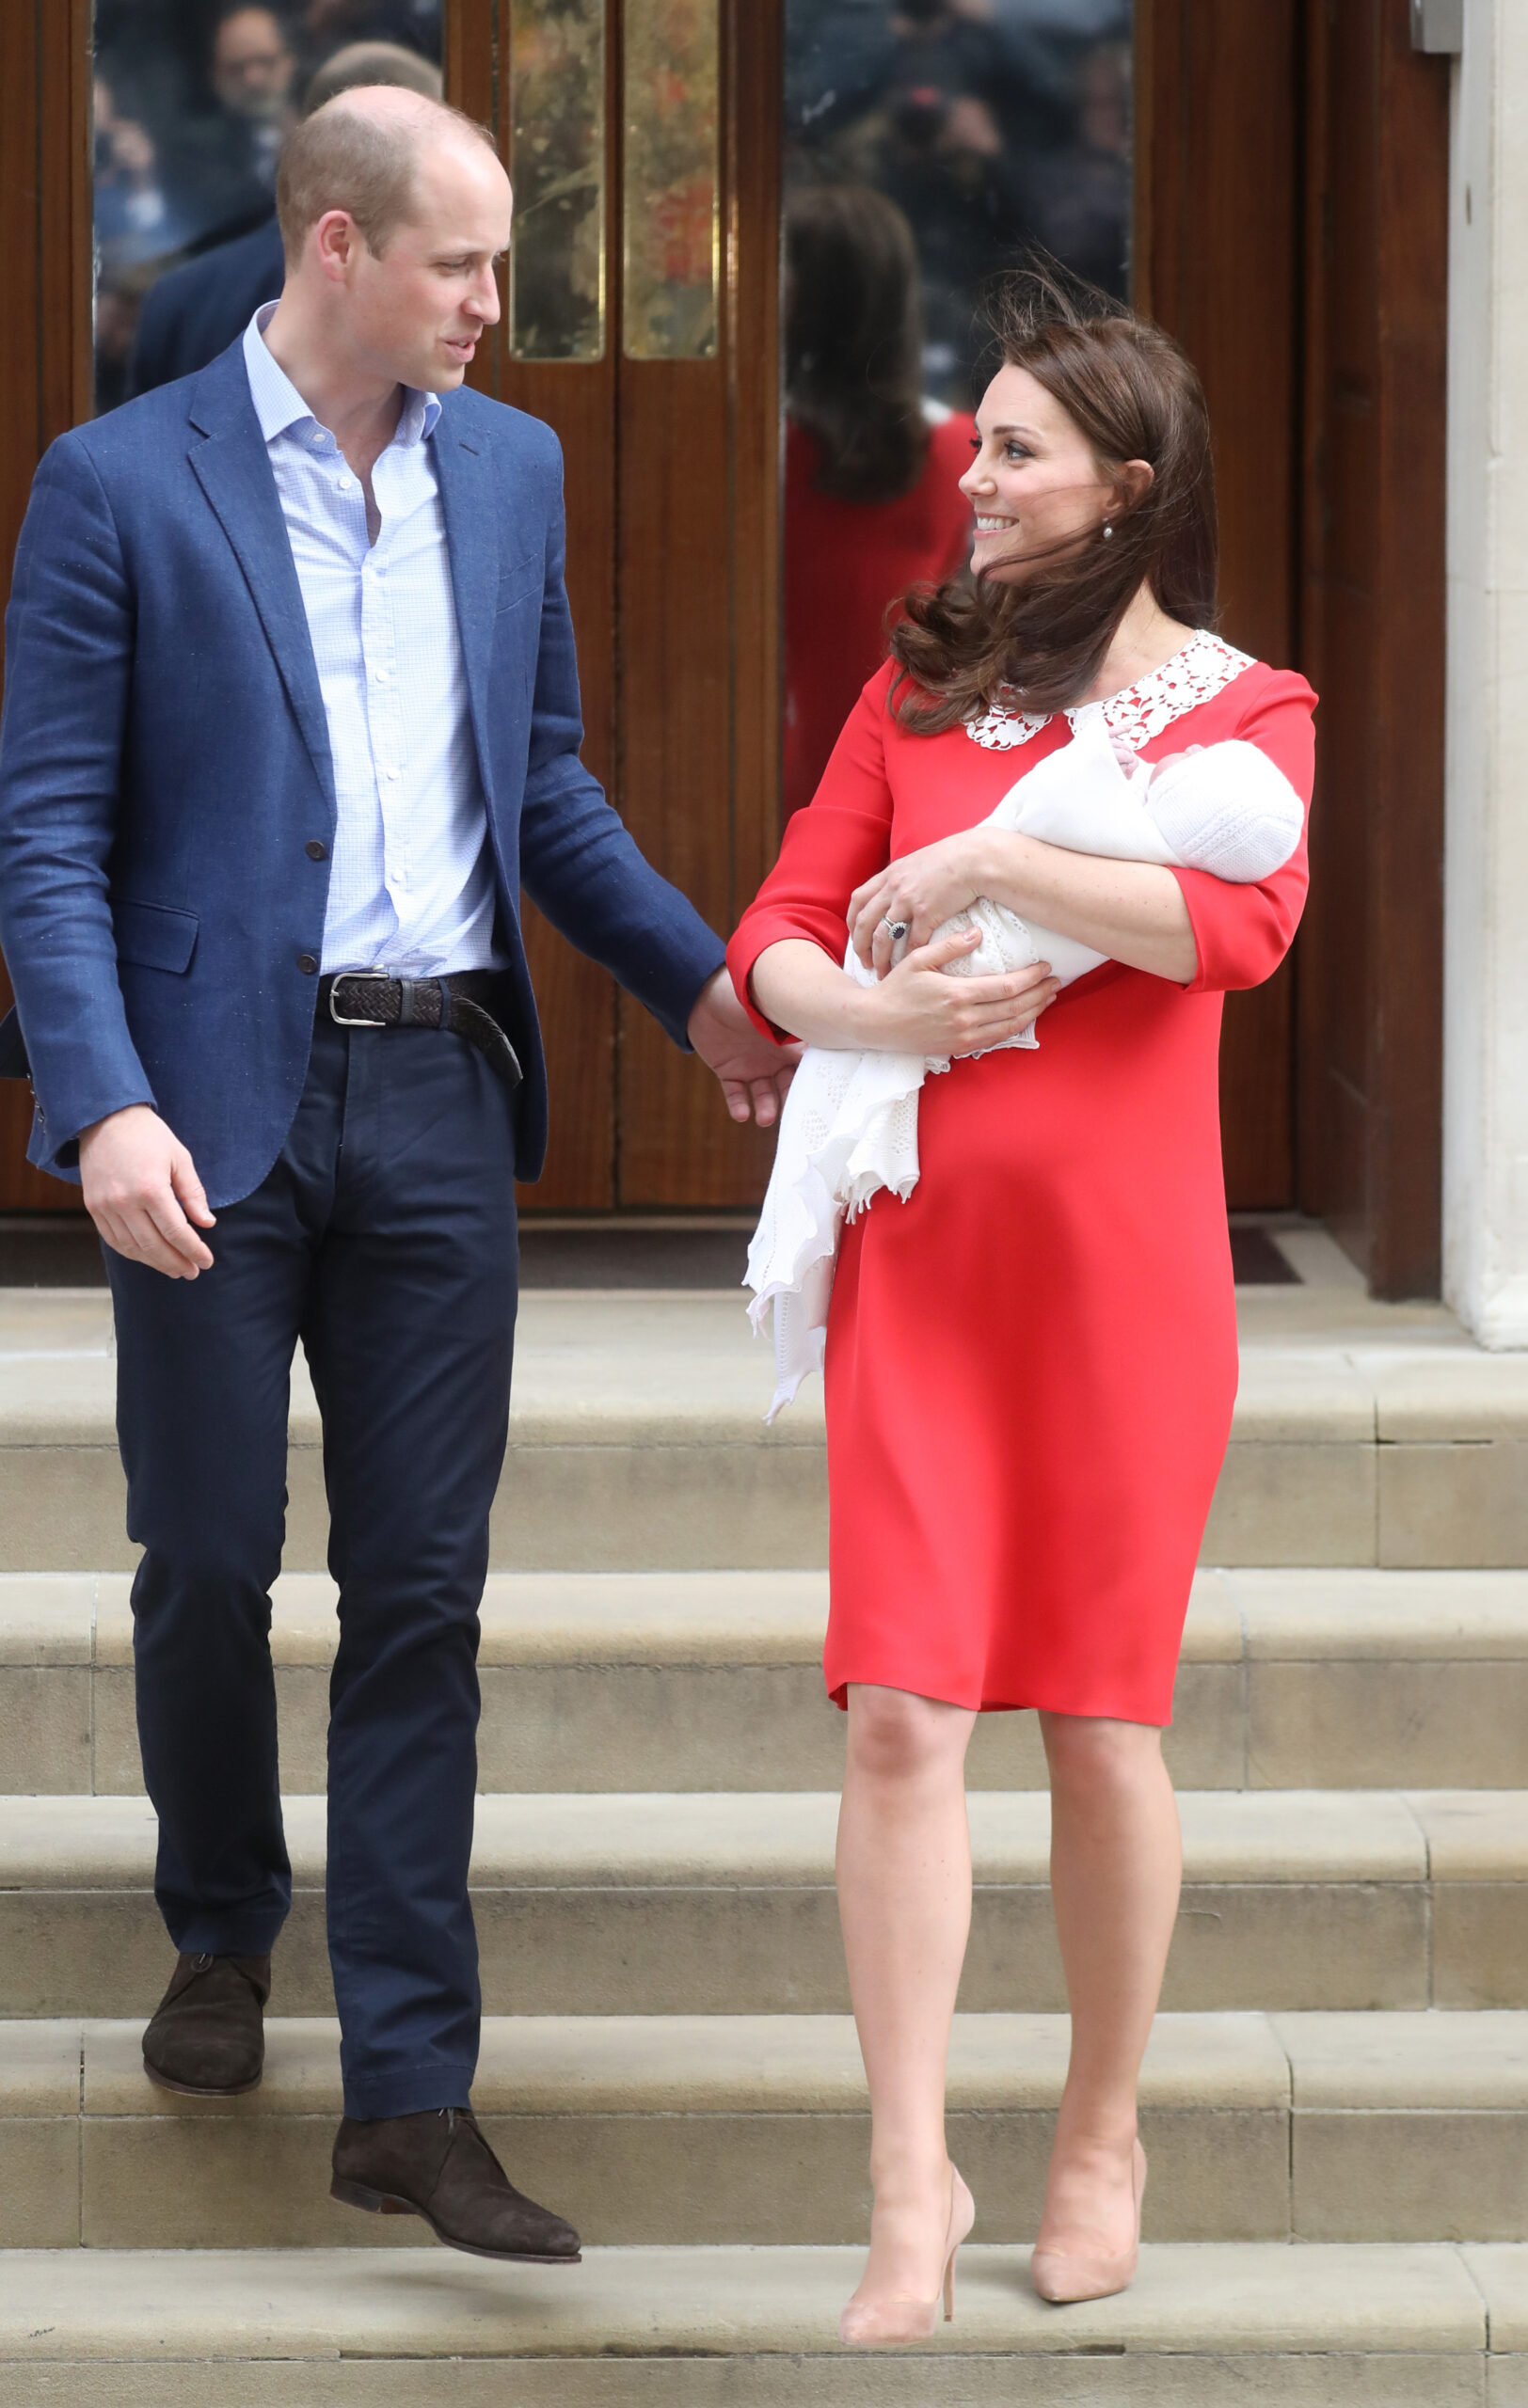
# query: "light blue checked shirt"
412,885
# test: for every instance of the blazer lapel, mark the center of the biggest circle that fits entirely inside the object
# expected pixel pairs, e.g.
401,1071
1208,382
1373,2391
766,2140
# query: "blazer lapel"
234,469
469,508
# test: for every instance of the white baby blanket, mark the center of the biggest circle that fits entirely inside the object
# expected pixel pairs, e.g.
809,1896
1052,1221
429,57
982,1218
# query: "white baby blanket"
849,1125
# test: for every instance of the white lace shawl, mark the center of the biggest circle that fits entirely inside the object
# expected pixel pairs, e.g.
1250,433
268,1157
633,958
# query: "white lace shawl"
850,1124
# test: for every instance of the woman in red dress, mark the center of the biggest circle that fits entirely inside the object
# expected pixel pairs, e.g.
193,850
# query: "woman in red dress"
1031,1362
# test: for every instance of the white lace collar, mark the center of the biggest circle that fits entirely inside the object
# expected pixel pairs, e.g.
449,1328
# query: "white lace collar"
1202,668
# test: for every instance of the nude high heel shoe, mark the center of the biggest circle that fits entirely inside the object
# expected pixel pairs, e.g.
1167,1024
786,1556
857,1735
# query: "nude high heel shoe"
1064,2279
893,2323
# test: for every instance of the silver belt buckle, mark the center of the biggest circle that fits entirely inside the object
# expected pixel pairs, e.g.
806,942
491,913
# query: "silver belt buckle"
347,1020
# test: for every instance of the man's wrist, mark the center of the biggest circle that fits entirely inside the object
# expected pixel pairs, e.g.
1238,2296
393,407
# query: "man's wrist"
703,995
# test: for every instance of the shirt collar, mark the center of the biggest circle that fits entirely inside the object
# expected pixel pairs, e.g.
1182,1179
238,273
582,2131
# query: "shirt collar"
279,406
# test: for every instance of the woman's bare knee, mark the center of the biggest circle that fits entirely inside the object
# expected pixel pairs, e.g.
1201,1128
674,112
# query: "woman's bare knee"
1094,1755
895,1736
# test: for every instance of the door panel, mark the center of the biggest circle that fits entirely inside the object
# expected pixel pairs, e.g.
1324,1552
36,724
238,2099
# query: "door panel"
673,575
1218,265
1371,1000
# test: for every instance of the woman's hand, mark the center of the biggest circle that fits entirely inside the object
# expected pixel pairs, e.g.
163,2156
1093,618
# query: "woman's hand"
925,889
919,1008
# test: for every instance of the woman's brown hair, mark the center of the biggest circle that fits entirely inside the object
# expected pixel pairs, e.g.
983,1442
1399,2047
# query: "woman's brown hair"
855,341
1131,393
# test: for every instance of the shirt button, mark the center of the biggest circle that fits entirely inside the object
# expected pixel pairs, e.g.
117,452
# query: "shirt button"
315,851
308,963
389,775
383,675
347,484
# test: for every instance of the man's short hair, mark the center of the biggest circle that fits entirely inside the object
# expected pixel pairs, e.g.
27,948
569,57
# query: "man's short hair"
341,158
372,62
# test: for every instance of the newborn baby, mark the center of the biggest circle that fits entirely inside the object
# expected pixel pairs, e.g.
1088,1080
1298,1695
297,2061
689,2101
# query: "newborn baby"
849,1125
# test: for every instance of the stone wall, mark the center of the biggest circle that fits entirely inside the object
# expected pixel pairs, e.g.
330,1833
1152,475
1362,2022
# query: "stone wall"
1486,1011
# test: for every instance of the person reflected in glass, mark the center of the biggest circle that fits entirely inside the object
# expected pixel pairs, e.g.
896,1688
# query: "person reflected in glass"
202,306
941,158
1080,193
135,224
414,23
253,71
872,503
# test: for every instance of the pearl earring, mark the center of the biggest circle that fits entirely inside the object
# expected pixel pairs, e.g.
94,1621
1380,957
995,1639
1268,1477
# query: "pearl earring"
1107,532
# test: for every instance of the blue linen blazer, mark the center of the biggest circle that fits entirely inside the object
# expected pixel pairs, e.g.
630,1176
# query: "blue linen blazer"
165,763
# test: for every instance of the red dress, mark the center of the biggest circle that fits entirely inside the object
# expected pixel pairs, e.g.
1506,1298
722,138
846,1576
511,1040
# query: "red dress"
846,562
1031,1363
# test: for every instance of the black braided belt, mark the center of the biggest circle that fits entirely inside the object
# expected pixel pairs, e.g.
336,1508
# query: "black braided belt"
463,1003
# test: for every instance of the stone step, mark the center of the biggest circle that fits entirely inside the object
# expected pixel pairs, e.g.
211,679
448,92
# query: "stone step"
1364,1434
754,2130
1306,2327
722,1903
711,1680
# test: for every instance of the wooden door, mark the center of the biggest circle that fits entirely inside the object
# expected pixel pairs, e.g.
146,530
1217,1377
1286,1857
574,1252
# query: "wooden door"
1374,629
1290,165
1218,262
668,417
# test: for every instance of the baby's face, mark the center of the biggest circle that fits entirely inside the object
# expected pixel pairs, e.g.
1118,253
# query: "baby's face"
1034,484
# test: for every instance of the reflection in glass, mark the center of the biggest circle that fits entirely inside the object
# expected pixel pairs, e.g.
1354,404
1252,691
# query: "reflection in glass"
557,159
872,503
996,125
930,144
193,100
672,199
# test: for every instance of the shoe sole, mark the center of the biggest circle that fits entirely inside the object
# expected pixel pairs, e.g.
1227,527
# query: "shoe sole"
387,2203
199,2090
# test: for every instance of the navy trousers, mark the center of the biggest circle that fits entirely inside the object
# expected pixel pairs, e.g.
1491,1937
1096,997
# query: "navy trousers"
384,1240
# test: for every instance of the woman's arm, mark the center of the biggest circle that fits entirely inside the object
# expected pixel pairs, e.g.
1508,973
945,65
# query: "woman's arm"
915,1010
1132,911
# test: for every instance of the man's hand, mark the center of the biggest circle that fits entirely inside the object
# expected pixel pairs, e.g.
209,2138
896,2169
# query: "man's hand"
754,1072
142,1191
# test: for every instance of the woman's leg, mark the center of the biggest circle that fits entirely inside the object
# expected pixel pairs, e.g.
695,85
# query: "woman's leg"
1115,1867
904,1897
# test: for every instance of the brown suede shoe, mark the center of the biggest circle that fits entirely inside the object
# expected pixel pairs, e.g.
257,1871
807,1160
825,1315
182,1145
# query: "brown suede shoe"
437,2166
206,2038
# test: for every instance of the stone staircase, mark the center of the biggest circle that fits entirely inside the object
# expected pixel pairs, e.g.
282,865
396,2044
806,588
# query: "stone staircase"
1335,2101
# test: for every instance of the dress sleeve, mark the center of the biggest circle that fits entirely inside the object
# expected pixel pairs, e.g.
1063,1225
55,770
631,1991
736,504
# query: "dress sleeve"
839,840
1242,932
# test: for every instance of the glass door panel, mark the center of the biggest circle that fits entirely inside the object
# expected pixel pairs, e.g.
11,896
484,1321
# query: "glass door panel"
927,145
557,164
672,178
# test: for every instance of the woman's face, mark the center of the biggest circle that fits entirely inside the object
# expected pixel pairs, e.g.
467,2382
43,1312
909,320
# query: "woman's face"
1034,484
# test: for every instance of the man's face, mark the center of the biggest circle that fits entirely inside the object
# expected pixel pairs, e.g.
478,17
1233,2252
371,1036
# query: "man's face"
252,68
418,310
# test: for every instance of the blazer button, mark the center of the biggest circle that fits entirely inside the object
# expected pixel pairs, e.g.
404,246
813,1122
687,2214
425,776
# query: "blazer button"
308,963
315,851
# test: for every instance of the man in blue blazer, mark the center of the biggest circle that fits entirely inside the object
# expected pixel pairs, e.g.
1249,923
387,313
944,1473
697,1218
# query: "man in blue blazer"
290,704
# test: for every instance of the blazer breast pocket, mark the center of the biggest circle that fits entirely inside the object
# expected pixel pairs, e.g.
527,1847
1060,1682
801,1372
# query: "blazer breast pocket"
520,582
155,936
